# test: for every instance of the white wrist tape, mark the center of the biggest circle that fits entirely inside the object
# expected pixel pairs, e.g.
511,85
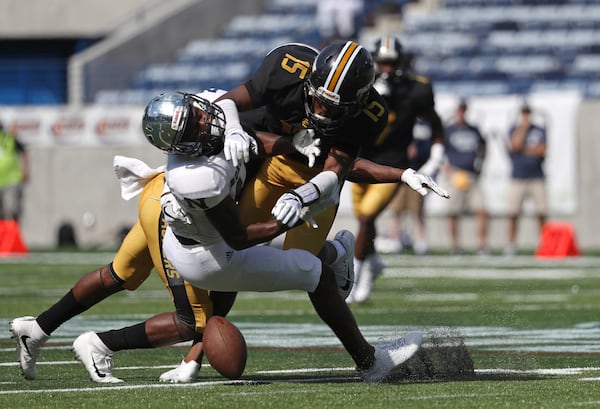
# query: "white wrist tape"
325,185
232,118
328,184
307,193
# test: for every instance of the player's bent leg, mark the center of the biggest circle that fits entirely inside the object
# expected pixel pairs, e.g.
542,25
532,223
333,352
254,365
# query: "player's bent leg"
333,310
96,286
96,351
375,364
32,333
166,329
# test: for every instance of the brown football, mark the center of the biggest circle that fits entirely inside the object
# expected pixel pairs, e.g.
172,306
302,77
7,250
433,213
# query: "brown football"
225,347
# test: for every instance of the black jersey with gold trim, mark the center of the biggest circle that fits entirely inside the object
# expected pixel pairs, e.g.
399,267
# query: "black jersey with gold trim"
409,97
278,86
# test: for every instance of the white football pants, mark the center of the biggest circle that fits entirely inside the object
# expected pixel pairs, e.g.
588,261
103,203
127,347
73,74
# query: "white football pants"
260,268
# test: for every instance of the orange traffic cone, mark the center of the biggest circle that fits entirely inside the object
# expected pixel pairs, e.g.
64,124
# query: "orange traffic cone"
557,240
10,238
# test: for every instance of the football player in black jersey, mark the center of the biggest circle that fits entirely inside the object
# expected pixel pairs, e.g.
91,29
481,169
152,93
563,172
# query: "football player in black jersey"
329,93
408,97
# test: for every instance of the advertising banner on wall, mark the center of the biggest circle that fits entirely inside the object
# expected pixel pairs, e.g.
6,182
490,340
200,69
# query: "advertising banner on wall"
94,125
557,112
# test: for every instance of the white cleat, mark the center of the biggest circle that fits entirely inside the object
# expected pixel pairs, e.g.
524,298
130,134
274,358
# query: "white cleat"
372,268
186,372
96,357
389,357
343,268
30,339
364,286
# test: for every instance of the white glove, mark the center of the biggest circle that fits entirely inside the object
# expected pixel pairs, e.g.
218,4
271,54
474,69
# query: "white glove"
237,146
287,209
436,158
305,142
422,183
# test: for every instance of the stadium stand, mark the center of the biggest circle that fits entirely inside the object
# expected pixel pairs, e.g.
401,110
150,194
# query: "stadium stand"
226,61
529,45
506,46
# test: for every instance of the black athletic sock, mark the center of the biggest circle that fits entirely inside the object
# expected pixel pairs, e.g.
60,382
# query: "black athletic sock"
133,337
65,309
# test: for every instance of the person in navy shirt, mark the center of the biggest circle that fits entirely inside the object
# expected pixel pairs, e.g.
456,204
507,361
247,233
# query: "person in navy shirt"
465,150
527,147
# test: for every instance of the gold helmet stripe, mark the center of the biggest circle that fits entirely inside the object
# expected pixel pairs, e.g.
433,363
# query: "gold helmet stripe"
389,42
341,66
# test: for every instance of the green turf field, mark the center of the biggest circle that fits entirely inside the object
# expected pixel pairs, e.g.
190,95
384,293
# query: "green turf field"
531,328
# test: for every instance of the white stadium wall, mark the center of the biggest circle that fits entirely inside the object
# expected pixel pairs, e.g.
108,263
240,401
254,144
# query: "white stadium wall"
72,179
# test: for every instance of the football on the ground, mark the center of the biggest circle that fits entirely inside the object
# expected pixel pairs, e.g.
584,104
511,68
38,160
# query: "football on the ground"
225,347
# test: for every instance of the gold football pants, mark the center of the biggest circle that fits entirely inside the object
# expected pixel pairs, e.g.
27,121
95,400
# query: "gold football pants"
277,175
142,249
371,199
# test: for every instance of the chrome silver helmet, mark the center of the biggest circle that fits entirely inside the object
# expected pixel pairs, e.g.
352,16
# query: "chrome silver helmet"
184,123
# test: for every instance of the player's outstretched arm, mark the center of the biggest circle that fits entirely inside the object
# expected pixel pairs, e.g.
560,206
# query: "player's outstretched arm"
365,171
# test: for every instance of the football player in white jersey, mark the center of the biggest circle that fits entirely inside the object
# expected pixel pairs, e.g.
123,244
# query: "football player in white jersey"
209,246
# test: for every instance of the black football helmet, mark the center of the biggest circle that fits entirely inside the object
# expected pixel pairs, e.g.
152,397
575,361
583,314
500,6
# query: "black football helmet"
341,78
388,49
172,123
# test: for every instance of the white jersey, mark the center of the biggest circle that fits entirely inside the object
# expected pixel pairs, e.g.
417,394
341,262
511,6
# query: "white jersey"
195,184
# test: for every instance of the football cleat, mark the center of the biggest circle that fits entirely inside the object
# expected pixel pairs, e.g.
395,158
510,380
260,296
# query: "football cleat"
343,267
390,355
364,286
30,339
372,268
186,372
96,357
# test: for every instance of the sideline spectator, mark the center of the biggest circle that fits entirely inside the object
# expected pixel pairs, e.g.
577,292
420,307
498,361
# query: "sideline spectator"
465,150
527,148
